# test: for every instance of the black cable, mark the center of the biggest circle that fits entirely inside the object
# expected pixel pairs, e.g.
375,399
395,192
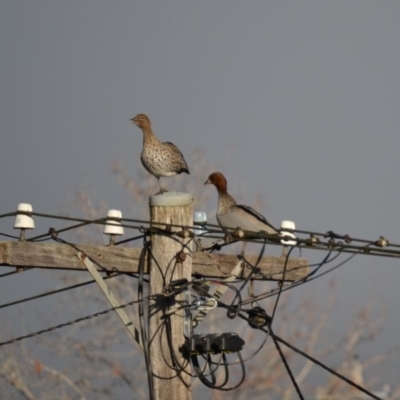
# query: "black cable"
143,332
253,270
10,273
75,321
10,214
62,289
286,364
315,361
10,236
129,240
280,287
323,262
377,250
209,362
82,224
176,365
299,282
13,303
171,290
212,384
214,228
282,356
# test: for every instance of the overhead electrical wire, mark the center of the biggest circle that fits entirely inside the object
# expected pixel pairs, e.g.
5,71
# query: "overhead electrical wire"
319,241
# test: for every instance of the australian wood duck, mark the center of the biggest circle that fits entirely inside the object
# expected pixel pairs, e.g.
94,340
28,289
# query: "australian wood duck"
232,215
159,158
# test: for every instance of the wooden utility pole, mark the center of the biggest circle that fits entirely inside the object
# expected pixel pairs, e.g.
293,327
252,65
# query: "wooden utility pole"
169,261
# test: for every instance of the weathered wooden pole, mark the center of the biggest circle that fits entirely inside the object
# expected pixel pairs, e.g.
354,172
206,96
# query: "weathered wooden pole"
165,265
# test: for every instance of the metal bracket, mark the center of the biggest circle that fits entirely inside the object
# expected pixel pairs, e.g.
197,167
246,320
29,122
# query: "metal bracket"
128,323
187,319
202,303
218,293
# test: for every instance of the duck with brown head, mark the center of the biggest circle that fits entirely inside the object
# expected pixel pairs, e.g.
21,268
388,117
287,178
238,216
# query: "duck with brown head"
232,215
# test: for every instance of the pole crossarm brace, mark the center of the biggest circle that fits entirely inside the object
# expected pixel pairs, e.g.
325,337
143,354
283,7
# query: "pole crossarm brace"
128,323
124,259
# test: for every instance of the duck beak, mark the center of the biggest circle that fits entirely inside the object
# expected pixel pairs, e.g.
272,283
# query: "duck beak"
133,121
207,182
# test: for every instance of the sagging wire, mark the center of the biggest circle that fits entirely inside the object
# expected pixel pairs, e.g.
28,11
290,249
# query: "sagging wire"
301,281
173,289
278,340
143,332
281,287
211,228
13,272
45,294
236,309
75,321
169,291
53,235
10,236
47,236
285,363
214,365
212,384
176,365
333,372
267,321
10,214
129,240
271,333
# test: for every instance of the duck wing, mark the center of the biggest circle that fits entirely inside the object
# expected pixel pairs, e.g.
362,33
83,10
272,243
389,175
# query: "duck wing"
177,156
252,212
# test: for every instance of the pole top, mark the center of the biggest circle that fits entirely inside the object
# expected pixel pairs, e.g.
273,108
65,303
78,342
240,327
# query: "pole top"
168,199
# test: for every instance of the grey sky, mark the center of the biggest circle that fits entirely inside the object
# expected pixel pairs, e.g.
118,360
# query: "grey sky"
298,100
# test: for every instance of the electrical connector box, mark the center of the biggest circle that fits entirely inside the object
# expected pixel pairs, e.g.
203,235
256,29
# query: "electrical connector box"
214,344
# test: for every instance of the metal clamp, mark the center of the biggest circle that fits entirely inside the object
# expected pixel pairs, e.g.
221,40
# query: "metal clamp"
202,303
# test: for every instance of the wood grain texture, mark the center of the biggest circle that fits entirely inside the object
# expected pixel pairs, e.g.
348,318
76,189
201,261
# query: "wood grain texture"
164,268
123,259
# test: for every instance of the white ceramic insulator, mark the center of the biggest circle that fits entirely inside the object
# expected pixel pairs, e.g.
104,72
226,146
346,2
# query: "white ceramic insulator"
288,225
199,218
113,227
23,221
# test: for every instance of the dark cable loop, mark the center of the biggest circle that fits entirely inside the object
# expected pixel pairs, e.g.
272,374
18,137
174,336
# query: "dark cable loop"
286,364
280,287
75,321
143,332
232,312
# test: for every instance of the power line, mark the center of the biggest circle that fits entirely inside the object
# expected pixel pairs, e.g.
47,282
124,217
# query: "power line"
75,321
50,293
381,245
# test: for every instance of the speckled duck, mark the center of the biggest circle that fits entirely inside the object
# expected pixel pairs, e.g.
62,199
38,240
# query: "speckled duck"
161,159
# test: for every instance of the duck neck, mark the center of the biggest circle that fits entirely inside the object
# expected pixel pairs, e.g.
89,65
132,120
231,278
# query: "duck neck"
148,135
225,201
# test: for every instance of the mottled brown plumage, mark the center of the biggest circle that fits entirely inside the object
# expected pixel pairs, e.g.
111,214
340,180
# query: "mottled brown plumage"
159,158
